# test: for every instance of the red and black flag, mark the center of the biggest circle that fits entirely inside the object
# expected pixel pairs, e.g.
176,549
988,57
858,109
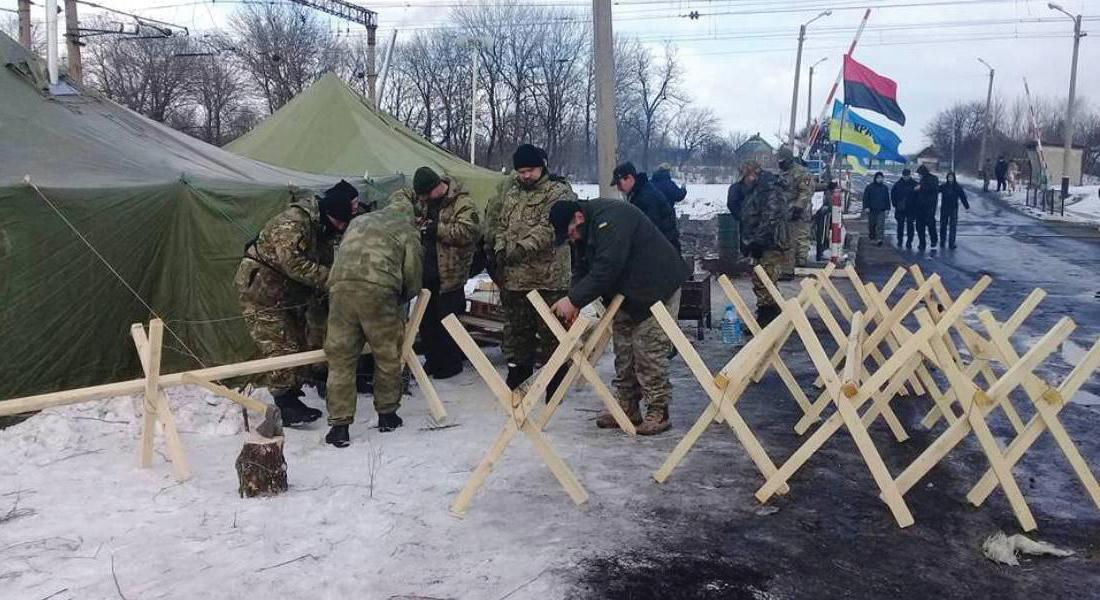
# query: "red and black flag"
863,88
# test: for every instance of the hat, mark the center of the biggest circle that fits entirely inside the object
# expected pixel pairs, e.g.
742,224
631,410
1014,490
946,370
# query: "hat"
664,167
528,155
878,174
906,172
425,180
336,201
561,215
922,169
626,168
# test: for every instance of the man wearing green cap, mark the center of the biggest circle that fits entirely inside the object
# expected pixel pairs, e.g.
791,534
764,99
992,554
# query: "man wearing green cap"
281,283
449,231
799,189
377,270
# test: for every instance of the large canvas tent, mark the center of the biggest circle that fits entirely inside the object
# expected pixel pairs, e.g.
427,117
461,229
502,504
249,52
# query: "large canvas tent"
169,213
328,128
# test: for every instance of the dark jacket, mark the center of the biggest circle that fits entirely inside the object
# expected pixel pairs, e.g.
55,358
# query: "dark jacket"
735,197
1001,169
662,180
928,193
650,201
950,196
903,194
623,252
876,198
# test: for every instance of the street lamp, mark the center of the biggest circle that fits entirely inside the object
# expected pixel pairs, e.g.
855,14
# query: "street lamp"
798,68
1067,129
988,121
810,91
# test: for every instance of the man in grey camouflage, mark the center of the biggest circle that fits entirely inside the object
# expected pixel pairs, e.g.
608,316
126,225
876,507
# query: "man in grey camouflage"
376,272
765,232
281,285
799,187
519,244
450,229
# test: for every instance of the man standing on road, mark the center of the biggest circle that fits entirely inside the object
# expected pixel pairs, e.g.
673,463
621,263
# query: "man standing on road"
951,193
904,197
449,229
662,180
799,186
644,195
876,199
1001,172
378,269
928,195
620,251
986,168
765,232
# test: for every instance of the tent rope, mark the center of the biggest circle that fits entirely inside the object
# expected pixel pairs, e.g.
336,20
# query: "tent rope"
112,269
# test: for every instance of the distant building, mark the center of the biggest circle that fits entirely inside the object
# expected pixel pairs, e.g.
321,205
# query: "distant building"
1052,155
758,149
929,158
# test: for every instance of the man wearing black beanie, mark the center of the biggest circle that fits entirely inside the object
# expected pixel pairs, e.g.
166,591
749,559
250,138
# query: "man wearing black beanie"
519,245
280,283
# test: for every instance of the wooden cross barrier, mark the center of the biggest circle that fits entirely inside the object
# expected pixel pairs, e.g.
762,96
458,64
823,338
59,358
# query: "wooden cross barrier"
155,405
722,389
518,409
580,362
977,403
435,406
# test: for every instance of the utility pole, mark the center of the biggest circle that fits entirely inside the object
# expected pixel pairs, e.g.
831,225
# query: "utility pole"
25,24
798,71
1067,129
372,64
607,141
51,40
72,42
988,120
356,14
473,101
810,92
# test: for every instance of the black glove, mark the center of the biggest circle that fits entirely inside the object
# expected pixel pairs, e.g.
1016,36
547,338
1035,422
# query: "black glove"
796,213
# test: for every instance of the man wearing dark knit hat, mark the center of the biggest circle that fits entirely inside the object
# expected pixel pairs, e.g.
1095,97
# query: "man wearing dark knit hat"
449,231
281,282
519,244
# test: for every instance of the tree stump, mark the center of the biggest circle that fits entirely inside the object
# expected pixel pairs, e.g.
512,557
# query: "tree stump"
261,467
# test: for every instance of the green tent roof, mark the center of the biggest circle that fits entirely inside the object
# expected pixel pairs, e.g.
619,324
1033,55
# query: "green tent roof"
169,213
328,128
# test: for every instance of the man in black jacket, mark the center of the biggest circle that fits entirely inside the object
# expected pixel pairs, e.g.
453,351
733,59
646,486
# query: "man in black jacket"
620,251
951,193
1001,172
662,180
641,193
928,196
876,200
904,197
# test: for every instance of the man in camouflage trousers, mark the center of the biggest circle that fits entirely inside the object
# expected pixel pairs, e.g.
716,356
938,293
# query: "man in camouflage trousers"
450,229
765,223
519,243
376,272
281,285
799,187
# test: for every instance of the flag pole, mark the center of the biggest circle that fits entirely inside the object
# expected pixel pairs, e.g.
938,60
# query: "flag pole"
832,92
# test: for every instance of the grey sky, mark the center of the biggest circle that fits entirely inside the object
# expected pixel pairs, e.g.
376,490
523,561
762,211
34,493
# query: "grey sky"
740,54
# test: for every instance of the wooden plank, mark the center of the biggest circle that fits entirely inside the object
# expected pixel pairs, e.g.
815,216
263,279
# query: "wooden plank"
164,410
435,405
152,390
248,402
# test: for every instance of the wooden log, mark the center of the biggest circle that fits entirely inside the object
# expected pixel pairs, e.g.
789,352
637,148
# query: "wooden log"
261,467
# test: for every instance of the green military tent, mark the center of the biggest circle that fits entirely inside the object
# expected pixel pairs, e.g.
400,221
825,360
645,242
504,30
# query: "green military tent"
328,128
86,183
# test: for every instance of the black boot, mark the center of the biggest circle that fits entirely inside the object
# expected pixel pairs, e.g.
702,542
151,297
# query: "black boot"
338,436
447,371
293,411
765,314
517,374
555,381
389,422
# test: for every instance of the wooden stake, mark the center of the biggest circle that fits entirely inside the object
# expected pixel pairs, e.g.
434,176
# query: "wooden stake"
435,405
152,390
163,409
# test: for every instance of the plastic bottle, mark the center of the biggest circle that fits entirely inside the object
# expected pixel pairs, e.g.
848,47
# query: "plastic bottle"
731,328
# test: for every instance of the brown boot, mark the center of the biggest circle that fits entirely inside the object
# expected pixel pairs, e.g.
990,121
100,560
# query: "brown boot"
632,410
656,421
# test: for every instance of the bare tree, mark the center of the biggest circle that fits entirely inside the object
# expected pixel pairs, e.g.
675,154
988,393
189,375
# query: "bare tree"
145,74
693,128
219,93
10,25
655,88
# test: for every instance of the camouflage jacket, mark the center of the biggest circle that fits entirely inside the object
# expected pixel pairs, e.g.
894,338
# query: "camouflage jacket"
457,234
380,250
289,260
520,239
765,215
799,186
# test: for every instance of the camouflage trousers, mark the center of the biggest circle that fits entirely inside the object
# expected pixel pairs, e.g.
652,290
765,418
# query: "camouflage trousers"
800,247
527,339
278,330
641,359
772,262
357,317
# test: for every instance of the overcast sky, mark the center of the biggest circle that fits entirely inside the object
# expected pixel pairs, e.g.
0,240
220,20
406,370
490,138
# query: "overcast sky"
739,54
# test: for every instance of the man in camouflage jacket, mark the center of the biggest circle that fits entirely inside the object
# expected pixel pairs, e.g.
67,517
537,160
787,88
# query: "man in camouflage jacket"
378,269
450,229
281,286
799,187
519,244
765,223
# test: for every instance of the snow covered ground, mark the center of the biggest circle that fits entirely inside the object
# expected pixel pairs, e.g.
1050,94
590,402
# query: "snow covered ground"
1083,205
703,201
369,521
